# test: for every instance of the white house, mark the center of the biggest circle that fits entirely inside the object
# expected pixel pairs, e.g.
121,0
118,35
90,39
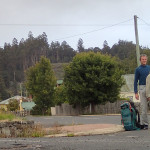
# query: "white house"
127,90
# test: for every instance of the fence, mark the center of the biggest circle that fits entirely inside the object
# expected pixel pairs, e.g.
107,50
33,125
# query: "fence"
108,108
21,113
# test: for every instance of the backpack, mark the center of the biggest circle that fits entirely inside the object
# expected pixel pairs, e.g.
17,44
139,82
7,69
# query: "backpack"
129,115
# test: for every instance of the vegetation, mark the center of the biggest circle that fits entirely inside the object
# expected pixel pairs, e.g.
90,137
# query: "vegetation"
7,116
18,56
40,84
59,69
13,105
92,78
70,135
35,131
60,95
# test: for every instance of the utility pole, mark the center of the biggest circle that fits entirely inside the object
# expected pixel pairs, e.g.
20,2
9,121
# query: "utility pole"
21,89
14,76
137,41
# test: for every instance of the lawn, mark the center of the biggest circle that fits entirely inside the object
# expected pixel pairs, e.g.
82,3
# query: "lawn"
7,116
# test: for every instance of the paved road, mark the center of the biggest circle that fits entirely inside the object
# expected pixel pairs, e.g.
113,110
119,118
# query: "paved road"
69,120
133,140
49,121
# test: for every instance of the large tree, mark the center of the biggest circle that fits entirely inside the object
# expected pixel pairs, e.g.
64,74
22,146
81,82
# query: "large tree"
92,78
80,45
40,83
106,48
3,91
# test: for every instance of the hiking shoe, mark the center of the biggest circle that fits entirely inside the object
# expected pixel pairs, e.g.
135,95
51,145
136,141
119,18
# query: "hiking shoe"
145,127
142,126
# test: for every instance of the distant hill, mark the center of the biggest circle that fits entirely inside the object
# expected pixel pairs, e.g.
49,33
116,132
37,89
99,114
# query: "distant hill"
59,69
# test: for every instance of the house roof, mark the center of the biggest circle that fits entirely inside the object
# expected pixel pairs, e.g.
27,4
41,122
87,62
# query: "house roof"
27,105
7,100
17,97
59,81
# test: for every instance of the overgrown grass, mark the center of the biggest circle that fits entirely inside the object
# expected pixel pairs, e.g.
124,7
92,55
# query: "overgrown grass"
7,116
35,131
70,135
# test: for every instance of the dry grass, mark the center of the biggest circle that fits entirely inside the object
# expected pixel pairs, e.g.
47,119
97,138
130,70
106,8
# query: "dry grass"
35,131
40,131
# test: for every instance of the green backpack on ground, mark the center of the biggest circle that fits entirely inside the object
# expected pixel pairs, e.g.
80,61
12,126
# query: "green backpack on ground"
129,117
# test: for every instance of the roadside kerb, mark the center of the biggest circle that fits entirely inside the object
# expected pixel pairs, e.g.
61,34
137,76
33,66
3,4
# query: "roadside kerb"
108,129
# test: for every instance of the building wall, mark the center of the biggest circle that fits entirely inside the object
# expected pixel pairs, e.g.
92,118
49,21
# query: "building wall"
129,95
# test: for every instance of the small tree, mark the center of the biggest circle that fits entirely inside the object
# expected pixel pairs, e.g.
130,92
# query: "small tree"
13,105
40,83
92,78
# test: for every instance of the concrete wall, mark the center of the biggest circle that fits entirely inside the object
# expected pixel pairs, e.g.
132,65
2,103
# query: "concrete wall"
53,111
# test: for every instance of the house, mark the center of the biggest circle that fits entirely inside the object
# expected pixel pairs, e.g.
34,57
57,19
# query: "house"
4,103
59,82
127,90
25,103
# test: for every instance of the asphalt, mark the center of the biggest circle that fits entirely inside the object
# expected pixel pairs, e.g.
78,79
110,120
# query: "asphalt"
84,130
67,126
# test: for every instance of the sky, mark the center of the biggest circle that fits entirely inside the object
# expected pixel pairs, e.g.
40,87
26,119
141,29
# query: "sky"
94,21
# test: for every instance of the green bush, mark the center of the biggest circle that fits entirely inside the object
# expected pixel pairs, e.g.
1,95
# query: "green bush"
13,105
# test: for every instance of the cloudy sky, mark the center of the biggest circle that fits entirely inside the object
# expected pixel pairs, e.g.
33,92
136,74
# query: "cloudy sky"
92,20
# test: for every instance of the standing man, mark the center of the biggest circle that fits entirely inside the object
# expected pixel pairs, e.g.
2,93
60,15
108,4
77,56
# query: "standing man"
148,87
141,73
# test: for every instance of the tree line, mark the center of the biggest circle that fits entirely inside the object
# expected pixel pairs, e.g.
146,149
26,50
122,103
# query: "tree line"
17,57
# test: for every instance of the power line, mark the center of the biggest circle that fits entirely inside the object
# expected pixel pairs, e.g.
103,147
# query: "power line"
65,25
93,30
144,22
5,24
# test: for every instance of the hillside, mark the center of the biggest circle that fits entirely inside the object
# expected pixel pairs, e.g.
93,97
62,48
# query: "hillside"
59,69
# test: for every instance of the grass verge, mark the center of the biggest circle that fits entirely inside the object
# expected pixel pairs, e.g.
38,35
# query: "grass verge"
7,116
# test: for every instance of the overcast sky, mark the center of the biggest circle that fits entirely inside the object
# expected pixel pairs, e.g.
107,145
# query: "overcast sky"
70,20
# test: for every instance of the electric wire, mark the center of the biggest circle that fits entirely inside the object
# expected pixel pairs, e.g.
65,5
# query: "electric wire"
144,21
105,27
64,25
109,26
92,30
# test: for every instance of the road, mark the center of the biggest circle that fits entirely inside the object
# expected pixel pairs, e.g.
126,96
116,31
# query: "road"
49,121
133,140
